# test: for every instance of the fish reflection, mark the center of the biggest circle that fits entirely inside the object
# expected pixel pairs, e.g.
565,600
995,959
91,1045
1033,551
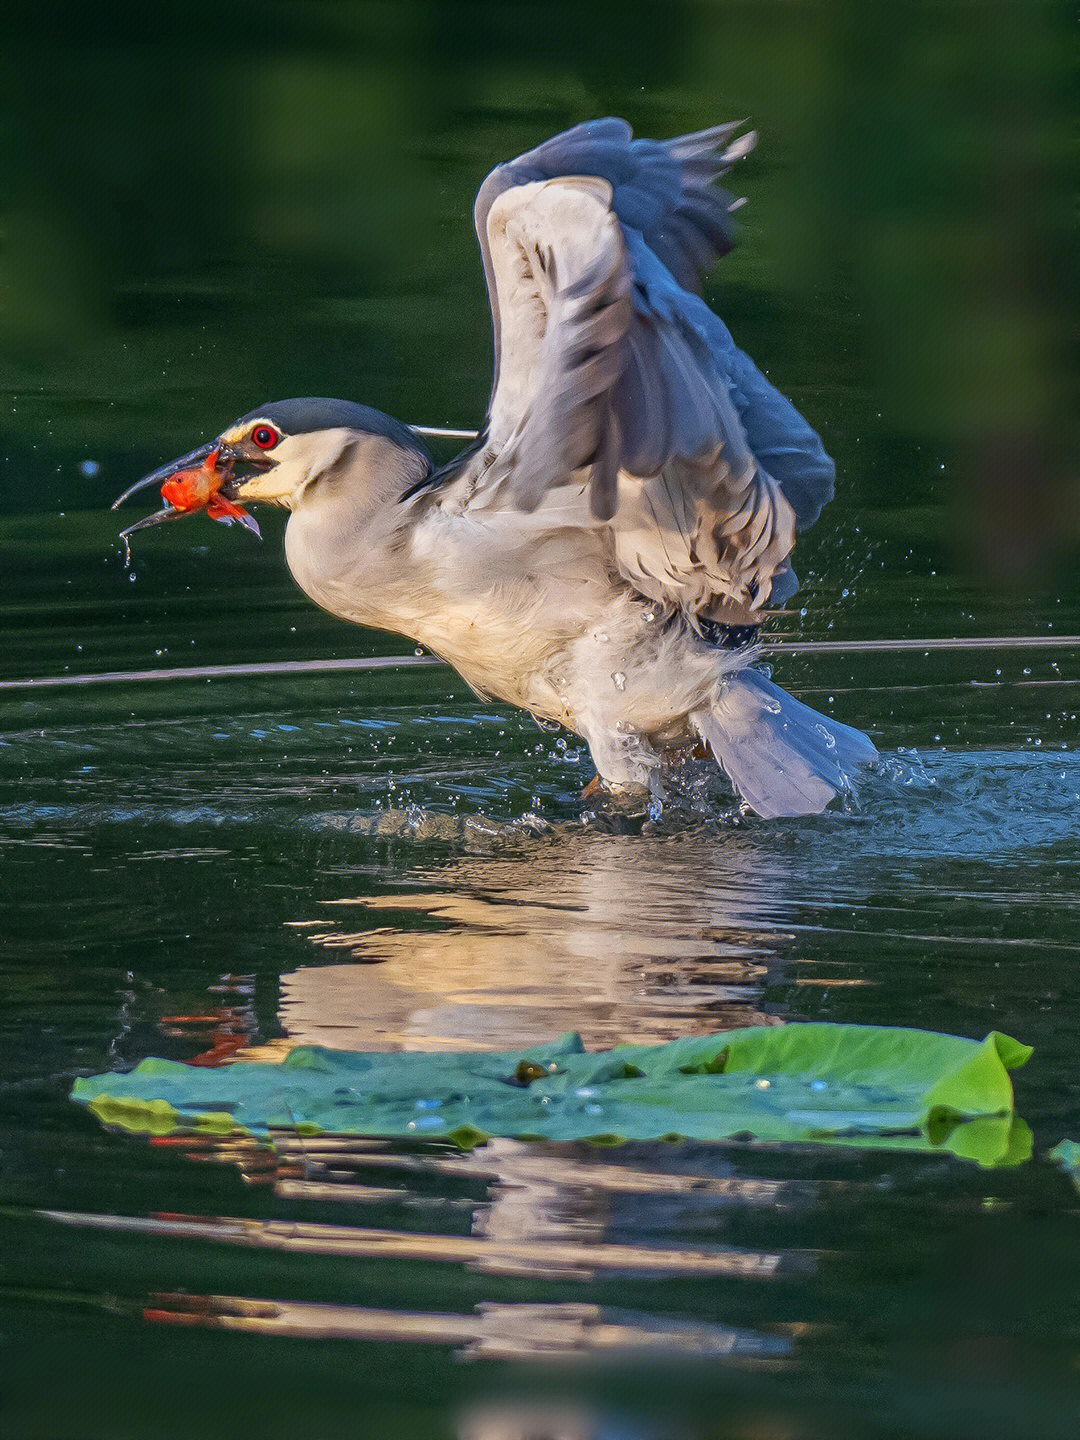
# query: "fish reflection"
614,936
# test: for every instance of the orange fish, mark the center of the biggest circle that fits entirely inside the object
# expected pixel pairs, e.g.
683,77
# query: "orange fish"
186,492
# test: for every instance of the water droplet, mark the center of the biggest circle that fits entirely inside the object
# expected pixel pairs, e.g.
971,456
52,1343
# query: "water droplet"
427,1122
618,679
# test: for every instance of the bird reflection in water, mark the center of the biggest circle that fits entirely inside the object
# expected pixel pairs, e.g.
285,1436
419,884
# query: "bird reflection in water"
614,936
607,934
493,1331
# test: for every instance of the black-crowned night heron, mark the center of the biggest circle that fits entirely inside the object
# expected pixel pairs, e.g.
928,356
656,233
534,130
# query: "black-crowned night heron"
602,554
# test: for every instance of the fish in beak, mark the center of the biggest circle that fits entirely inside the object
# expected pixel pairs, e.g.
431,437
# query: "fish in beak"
198,481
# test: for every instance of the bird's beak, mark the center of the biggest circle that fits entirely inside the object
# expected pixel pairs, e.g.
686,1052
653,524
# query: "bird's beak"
216,500
158,477
242,454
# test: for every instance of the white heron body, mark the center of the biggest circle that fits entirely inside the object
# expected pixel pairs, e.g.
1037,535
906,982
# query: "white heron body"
612,507
528,609
604,553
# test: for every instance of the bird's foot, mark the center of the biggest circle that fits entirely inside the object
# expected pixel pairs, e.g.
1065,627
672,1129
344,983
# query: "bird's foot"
614,810
594,789
613,807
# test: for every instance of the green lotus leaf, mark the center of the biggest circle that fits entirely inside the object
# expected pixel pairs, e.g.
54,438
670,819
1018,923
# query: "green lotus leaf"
837,1084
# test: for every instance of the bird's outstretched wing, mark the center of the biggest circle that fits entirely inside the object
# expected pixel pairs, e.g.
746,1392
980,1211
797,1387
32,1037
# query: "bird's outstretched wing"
663,189
611,373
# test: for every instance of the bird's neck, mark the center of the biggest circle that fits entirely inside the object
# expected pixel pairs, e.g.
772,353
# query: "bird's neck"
347,539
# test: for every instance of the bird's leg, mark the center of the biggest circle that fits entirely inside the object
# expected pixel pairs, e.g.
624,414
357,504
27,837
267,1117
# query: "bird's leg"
629,797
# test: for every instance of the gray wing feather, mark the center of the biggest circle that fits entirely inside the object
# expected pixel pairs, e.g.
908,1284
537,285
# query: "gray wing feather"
663,188
609,368
561,282
784,442
667,192
780,438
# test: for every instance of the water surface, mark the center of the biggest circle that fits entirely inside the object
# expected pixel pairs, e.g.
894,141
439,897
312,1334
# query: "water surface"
380,862
243,202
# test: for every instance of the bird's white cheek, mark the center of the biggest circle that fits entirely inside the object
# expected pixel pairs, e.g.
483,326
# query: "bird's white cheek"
276,487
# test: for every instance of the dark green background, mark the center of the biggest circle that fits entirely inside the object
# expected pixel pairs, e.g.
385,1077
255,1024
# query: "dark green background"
210,205
205,206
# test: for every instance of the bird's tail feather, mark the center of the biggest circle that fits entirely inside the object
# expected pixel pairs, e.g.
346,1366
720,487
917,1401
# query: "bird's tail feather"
782,757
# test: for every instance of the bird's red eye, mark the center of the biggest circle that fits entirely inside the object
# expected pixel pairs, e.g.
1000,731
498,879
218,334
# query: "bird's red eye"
265,436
